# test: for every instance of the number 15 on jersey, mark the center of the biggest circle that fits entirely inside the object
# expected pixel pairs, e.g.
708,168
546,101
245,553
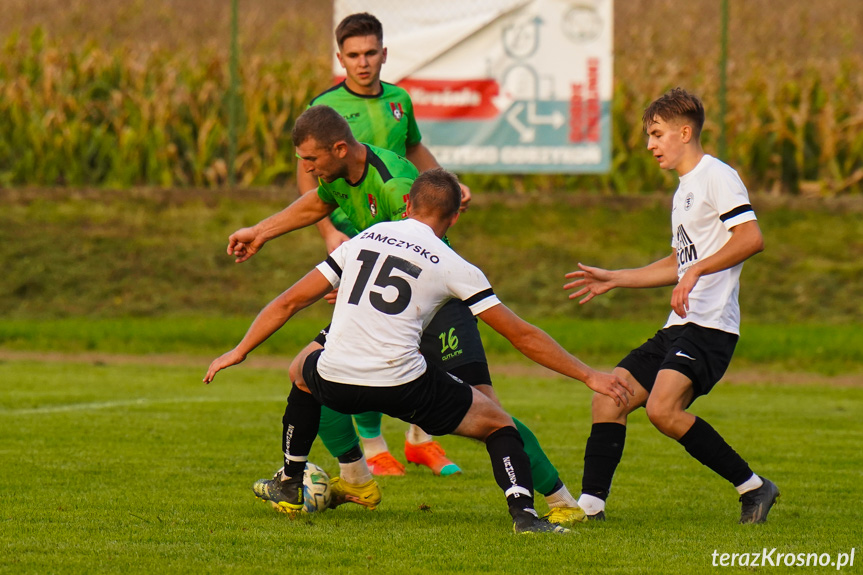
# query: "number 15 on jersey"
384,279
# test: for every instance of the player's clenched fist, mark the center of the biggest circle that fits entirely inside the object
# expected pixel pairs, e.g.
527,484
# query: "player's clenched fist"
244,243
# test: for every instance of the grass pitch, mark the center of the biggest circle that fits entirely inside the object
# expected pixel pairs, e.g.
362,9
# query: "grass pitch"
142,469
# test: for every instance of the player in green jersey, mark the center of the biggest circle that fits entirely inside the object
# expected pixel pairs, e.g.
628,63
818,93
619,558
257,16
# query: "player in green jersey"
368,183
380,114
385,117
379,195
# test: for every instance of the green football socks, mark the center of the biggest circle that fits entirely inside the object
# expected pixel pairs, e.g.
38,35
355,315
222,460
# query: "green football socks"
337,432
369,424
545,475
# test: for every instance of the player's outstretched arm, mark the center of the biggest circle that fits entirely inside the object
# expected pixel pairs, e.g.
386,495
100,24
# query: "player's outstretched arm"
308,184
745,241
302,294
308,209
592,281
543,349
596,281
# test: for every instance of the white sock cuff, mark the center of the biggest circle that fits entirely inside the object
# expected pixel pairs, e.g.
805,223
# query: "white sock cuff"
517,489
753,482
415,435
591,504
374,445
356,473
561,498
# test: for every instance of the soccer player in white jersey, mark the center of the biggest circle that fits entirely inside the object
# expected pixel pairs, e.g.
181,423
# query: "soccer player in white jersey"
392,279
714,231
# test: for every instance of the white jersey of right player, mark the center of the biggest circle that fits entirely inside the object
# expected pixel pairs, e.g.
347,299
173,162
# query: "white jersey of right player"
710,200
392,279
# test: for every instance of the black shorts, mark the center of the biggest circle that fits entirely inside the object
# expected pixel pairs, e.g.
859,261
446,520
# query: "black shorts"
435,401
700,353
452,337
452,342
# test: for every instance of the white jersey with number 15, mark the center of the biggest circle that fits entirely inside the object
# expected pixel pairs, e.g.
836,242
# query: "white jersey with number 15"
392,279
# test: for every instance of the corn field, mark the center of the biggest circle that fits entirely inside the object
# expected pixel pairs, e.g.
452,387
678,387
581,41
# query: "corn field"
129,112
86,117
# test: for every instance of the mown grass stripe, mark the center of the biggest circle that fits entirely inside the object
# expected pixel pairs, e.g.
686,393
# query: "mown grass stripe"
123,403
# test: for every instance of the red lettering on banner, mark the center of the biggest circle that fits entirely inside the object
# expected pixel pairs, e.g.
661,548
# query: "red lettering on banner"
576,114
445,99
593,110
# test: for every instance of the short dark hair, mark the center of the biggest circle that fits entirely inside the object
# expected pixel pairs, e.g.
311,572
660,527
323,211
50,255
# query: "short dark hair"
436,191
674,104
361,24
323,124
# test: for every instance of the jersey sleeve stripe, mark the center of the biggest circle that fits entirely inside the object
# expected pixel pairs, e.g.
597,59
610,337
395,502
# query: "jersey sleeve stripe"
327,91
484,304
735,212
478,297
379,165
334,266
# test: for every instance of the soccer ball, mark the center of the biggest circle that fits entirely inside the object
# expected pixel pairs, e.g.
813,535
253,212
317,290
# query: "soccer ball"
316,489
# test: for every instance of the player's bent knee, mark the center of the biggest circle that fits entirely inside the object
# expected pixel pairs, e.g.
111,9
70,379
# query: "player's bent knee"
510,429
665,418
301,383
656,414
491,427
603,407
483,418
489,412
501,419
296,369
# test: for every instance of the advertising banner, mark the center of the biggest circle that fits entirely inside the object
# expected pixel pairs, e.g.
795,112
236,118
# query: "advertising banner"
503,86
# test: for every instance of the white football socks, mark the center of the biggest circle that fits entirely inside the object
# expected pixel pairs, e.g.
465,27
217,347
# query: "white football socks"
753,482
561,498
374,445
591,505
416,435
356,473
